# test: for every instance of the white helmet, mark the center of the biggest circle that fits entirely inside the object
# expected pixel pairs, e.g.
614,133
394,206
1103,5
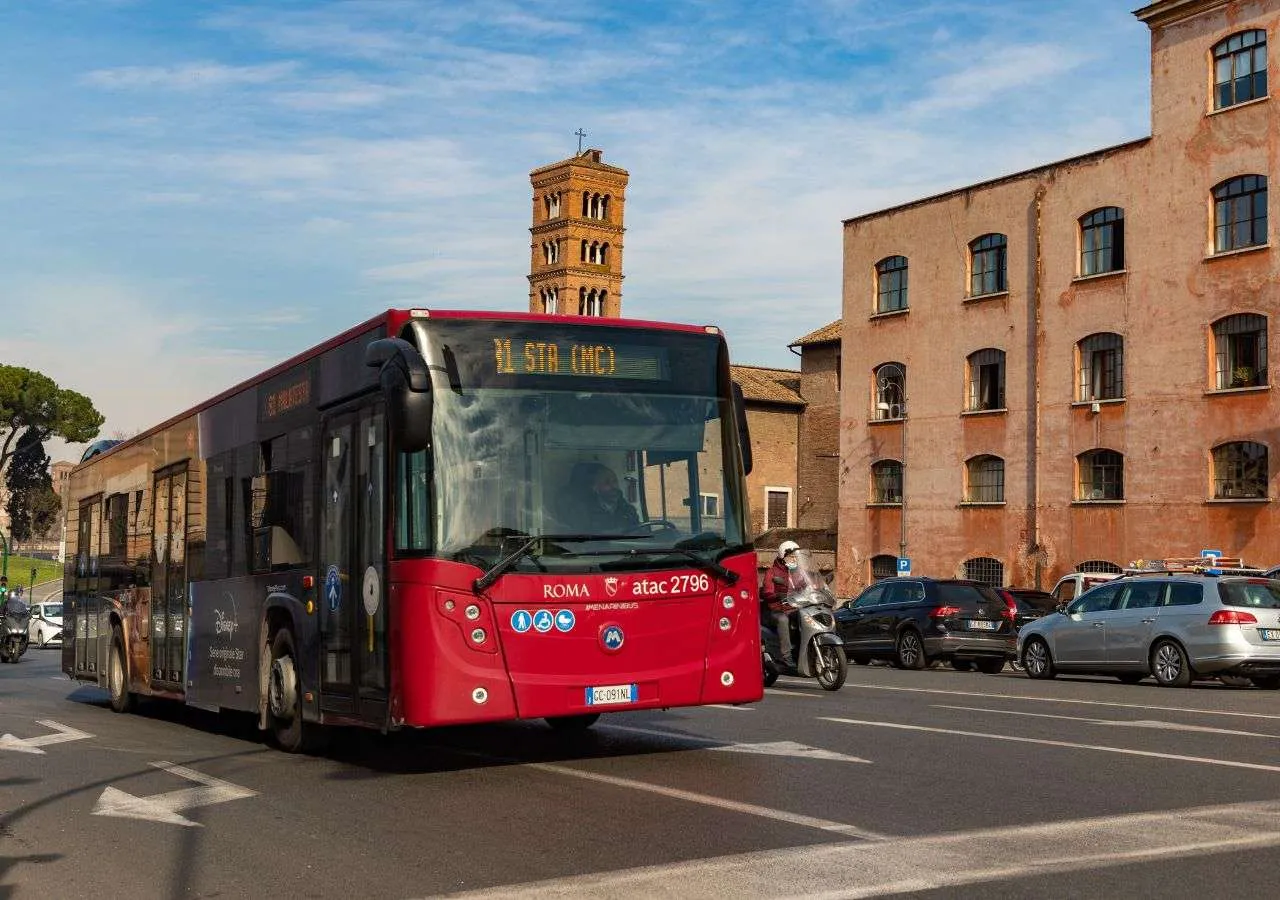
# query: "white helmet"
786,547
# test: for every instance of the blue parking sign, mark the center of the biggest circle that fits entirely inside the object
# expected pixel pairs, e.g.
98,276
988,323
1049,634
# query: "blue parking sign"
904,565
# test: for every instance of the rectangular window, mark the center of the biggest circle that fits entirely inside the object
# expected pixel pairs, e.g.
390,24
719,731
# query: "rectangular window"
117,526
709,505
777,508
413,503
1102,367
986,481
986,380
1102,242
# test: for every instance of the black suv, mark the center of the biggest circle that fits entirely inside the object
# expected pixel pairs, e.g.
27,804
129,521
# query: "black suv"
918,621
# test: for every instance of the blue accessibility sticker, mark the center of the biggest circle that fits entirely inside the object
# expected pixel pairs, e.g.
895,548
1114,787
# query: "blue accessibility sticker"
565,620
542,621
521,621
333,588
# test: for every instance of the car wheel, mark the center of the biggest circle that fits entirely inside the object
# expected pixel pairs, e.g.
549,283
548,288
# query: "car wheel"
1131,677
990,666
911,650
122,700
962,665
1169,665
573,724
830,665
1267,682
1036,659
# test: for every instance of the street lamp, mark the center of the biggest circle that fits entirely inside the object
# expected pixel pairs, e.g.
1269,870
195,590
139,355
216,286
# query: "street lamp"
891,380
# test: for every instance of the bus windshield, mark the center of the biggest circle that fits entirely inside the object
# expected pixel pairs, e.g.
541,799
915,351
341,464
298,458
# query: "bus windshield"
612,471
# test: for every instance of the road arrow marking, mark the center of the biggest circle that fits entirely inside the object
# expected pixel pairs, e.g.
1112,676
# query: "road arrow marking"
168,808
62,734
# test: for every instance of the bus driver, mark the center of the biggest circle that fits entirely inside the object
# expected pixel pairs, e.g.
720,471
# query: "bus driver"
596,504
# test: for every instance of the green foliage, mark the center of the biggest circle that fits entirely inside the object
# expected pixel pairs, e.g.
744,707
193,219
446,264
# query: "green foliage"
20,570
27,479
30,400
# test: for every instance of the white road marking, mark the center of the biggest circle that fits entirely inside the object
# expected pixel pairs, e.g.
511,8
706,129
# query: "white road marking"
1178,709
770,748
1070,745
854,870
62,734
776,815
728,706
864,870
1141,723
782,693
167,808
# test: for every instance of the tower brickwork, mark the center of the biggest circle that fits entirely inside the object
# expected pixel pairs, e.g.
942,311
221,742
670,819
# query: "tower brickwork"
576,248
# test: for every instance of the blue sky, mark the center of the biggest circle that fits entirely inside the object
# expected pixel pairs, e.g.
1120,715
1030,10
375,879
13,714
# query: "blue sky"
192,191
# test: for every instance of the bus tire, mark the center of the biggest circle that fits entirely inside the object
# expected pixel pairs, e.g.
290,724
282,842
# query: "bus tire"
284,699
572,724
122,700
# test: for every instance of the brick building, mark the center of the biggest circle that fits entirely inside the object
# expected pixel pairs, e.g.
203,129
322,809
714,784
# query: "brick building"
1075,371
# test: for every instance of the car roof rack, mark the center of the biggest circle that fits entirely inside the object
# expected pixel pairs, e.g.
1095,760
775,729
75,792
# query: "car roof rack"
1192,565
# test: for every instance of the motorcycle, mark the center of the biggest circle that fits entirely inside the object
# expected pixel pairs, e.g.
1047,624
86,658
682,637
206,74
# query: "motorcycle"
819,651
15,618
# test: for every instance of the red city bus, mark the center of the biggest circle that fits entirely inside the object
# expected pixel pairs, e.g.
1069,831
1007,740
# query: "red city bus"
434,518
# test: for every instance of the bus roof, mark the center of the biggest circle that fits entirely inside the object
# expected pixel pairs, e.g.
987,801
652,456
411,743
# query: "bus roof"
395,319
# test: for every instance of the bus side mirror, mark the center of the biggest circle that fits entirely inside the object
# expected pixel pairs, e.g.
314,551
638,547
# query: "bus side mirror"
744,433
406,385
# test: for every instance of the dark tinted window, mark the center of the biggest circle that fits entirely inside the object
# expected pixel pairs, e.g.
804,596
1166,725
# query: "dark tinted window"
1255,593
1184,593
870,597
1097,600
951,594
905,592
1142,595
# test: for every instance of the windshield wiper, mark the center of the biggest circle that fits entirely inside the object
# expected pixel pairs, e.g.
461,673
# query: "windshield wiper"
706,565
504,565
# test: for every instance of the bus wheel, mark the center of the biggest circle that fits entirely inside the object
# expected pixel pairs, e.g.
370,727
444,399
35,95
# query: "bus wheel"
284,702
122,701
573,724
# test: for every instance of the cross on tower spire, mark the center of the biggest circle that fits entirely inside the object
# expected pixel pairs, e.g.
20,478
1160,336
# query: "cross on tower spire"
581,134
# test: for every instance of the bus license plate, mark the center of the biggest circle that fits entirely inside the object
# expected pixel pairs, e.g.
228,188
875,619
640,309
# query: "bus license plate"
613,693
1269,634
982,625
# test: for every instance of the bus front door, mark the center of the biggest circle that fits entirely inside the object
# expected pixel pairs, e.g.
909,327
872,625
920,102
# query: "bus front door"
353,609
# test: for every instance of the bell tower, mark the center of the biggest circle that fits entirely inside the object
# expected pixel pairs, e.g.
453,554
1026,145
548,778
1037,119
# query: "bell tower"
576,252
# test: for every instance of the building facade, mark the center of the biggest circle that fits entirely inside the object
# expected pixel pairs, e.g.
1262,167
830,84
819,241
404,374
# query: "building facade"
1067,367
818,448
576,252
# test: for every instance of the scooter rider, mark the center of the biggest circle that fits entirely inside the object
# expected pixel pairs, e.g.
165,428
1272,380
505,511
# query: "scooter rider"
783,577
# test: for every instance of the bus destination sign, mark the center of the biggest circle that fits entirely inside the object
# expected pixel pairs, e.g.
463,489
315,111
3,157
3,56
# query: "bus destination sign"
514,356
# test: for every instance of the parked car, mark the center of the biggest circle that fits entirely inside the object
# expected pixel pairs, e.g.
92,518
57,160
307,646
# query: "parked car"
1173,626
1072,585
914,622
46,624
1029,603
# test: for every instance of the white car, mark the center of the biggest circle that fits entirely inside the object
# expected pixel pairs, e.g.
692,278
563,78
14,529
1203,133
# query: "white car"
46,623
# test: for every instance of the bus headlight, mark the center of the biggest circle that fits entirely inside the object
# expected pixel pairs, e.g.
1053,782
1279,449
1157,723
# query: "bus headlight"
727,601
478,635
472,612
726,678
725,624
479,695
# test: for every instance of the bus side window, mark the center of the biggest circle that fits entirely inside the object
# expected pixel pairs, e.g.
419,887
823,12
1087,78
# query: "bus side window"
278,508
413,502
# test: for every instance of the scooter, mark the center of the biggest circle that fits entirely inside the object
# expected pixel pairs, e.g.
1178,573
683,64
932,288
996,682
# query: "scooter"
819,650
15,618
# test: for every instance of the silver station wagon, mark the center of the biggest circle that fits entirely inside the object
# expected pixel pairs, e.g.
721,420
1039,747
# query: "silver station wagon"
1174,627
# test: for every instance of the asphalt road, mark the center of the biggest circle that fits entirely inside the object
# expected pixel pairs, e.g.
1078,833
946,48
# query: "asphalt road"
933,783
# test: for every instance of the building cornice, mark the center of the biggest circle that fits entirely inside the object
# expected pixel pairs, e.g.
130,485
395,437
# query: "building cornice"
567,224
1163,13
576,271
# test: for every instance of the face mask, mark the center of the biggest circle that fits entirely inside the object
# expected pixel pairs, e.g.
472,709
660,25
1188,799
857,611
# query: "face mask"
792,565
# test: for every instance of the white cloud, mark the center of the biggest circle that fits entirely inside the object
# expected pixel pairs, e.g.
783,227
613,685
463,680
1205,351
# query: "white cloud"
189,76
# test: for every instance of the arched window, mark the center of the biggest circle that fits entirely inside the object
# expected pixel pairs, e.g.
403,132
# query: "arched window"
1240,471
600,307
1240,351
1101,367
986,570
883,566
987,269
1240,68
890,391
1240,213
1102,241
604,254
553,211
1098,565
984,480
549,298
586,204
582,301
604,207
891,284
986,380
886,481
546,206
584,251
1101,475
